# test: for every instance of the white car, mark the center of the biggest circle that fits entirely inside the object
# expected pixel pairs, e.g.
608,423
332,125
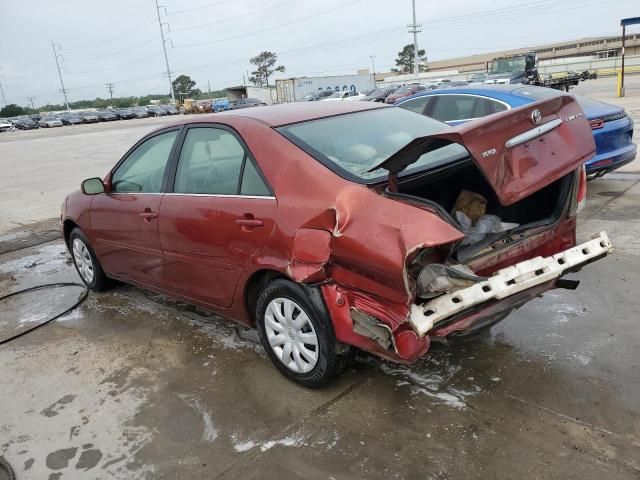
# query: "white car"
346,95
5,125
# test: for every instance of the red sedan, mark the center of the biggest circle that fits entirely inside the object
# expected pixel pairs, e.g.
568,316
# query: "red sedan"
336,225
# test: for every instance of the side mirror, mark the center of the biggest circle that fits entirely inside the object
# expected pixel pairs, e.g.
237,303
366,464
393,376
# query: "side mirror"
93,186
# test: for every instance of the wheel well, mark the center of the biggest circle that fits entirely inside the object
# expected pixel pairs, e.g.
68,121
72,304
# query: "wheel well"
255,283
67,226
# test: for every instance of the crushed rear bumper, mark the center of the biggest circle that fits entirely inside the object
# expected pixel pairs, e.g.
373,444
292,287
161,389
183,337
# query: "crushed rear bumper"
506,282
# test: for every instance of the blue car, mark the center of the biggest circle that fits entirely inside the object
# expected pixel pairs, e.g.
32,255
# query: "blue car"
220,105
612,127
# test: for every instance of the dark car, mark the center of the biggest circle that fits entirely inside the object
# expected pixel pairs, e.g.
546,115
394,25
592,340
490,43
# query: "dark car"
24,123
124,113
89,117
405,91
170,108
315,96
140,112
107,115
223,212
246,103
379,94
156,111
70,118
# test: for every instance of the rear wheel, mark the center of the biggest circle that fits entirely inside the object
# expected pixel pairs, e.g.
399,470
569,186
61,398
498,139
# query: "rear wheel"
298,338
86,262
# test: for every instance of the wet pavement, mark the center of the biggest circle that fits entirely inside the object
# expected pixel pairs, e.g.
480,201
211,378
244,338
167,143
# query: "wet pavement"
132,385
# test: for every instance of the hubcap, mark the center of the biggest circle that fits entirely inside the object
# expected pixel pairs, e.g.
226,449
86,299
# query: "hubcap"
82,259
291,335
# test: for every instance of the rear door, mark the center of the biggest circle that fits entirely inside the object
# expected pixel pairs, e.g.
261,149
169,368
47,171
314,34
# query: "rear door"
124,221
218,215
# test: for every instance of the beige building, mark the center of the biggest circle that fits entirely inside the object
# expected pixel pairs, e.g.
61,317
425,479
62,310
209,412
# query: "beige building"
598,47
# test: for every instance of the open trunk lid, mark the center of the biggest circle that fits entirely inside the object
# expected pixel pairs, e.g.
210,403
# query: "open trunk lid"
519,151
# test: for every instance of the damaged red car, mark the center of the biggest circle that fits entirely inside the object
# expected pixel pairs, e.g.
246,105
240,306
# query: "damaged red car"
333,226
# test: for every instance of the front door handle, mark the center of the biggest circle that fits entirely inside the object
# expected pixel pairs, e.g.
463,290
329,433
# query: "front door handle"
148,215
249,220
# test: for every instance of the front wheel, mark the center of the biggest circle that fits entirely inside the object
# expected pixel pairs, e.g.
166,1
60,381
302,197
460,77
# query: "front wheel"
298,338
86,262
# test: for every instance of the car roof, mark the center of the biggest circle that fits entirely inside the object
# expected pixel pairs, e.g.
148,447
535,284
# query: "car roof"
287,113
506,93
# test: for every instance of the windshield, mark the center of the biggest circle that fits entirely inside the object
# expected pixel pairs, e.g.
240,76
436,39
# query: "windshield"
350,148
508,65
336,95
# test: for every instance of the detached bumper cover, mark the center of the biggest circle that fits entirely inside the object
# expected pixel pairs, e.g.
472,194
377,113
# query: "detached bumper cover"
507,282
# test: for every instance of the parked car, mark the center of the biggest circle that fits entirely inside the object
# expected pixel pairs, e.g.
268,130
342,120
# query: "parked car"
170,108
107,115
156,111
319,95
124,113
140,112
220,105
478,78
344,95
50,122
612,128
5,125
70,119
379,94
246,103
405,91
223,212
24,123
89,117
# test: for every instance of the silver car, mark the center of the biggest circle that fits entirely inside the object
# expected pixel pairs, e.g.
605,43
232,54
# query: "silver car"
50,122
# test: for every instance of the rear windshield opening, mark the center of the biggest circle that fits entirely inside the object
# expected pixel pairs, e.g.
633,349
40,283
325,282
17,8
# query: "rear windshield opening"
352,144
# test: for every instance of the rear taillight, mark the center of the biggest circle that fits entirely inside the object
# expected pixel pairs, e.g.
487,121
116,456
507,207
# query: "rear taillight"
581,197
596,123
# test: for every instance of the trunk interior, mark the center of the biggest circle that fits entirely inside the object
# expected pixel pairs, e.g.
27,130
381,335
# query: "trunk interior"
441,189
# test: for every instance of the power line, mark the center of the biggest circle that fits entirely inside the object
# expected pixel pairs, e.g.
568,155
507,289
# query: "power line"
218,22
207,5
275,27
57,56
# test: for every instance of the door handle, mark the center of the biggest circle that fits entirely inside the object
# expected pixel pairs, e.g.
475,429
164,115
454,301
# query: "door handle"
249,221
148,215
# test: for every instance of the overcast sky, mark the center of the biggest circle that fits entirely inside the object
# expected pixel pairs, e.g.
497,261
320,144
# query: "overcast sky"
118,41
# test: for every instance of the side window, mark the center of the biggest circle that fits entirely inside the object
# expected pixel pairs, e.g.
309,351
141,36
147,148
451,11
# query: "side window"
418,105
497,106
454,107
143,170
211,162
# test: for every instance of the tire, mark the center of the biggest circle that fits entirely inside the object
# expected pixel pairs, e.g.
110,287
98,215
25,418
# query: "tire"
289,339
86,262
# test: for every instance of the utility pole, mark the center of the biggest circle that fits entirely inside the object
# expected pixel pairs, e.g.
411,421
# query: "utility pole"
4,100
56,55
209,85
373,66
110,88
415,28
33,107
164,47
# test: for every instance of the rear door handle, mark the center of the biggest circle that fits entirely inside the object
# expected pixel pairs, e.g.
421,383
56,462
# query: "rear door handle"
148,215
249,221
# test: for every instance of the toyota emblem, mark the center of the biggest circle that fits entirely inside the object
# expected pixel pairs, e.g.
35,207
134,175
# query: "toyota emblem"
536,116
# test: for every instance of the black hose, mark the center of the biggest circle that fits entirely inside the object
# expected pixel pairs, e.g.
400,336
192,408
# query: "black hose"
39,287
6,472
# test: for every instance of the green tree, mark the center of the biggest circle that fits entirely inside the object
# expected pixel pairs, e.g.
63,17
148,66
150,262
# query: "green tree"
183,86
12,110
265,66
405,60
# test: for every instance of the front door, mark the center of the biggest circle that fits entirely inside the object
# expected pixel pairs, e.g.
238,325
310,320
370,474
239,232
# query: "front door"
219,215
124,221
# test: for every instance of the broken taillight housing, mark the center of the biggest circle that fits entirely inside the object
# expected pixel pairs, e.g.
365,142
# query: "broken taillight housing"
581,197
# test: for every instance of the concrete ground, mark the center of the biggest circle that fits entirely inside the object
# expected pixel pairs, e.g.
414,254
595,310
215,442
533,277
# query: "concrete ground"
134,385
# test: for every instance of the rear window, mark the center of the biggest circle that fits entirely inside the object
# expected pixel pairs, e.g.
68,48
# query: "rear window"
350,146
